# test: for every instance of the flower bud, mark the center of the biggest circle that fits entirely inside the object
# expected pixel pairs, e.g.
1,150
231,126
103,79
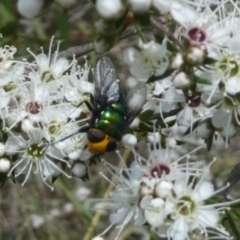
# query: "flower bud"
154,213
181,80
113,9
139,6
79,170
5,165
196,55
162,6
129,140
163,189
171,143
29,9
153,137
99,238
177,61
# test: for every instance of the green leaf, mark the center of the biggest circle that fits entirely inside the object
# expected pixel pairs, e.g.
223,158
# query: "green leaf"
172,47
169,123
63,27
159,38
231,219
54,179
180,142
145,126
237,214
152,237
39,29
142,19
193,87
209,142
167,73
6,13
146,115
209,61
236,205
10,29
202,80
190,129
29,43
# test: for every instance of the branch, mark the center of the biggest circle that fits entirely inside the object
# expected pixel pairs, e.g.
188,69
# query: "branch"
77,51
157,116
164,31
232,180
89,47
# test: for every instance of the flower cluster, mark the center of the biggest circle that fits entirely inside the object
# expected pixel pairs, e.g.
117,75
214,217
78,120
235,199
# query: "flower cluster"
39,105
188,63
195,72
168,194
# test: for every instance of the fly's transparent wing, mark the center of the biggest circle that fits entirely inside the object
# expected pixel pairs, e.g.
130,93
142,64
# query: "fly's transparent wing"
106,85
134,101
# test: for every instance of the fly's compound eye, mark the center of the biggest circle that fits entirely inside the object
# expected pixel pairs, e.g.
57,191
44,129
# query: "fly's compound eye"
95,135
112,145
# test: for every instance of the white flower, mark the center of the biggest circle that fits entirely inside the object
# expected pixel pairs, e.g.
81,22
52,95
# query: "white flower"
151,60
164,6
155,212
222,120
50,68
202,28
30,101
124,199
55,121
190,212
75,148
204,129
76,89
170,98
232,86
6,55
193,111
162,164
33,151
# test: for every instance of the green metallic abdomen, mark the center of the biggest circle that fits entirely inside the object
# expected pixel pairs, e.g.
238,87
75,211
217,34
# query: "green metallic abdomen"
111,121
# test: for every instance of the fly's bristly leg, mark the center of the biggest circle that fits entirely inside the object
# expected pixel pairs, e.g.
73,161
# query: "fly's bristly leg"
88,100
